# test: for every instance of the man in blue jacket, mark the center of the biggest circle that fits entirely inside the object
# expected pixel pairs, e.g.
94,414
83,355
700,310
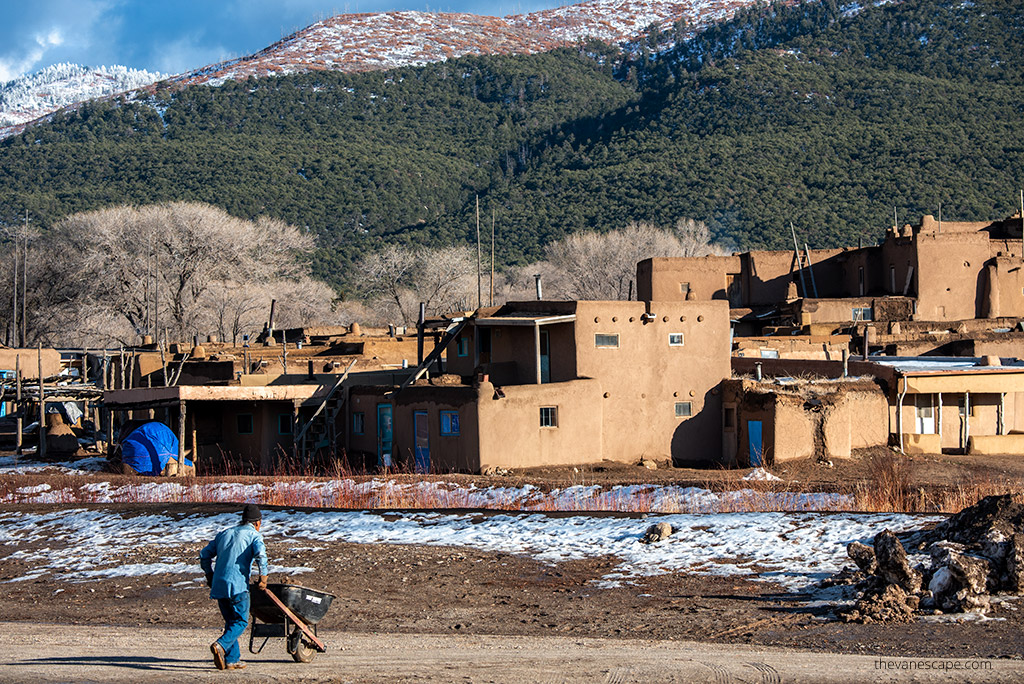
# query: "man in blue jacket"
235,549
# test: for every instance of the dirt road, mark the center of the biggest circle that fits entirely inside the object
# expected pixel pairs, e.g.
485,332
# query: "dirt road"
58,653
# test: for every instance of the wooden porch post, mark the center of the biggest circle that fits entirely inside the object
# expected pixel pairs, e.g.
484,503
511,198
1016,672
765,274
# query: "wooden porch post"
195,442
939,418
536,349
181,436
1000,428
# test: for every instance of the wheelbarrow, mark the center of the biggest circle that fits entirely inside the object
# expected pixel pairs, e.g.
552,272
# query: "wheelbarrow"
289,611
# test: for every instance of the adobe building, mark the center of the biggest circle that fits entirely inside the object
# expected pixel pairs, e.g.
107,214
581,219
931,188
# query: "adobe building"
558,383
934,271
780,409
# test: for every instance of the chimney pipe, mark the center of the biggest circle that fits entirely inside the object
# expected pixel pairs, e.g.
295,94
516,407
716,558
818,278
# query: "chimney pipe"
536,279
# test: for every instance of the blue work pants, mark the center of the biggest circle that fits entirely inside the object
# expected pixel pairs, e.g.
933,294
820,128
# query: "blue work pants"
236,616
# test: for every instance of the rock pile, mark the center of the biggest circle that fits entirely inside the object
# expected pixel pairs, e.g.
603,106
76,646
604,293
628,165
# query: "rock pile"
971,556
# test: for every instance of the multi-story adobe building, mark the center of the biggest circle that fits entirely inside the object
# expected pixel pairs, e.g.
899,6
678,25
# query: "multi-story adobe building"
570,382
934,271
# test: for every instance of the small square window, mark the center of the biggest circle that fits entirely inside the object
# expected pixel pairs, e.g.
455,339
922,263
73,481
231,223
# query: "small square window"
675,339
684,409
462,346
358,423
284,423
244,423
549,416
862,313
606,340
449,423
684,288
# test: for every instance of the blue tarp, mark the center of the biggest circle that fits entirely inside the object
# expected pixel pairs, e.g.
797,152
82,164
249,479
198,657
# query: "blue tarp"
148,448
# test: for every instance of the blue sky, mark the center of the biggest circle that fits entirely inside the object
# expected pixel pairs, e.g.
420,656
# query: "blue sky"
172,36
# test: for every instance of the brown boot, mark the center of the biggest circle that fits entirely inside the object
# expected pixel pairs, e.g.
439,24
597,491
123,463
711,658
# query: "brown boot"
218,655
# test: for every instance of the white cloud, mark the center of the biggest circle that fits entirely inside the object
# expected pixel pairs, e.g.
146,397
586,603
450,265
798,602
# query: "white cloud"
187,53
51,30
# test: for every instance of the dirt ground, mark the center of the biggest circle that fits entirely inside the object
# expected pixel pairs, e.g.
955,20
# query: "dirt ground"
440,590
169,654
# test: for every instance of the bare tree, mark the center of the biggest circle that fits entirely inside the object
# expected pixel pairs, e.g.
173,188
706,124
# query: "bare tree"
396,279
603,266
192,267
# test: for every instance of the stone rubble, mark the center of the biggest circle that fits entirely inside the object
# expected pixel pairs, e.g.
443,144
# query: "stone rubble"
971,557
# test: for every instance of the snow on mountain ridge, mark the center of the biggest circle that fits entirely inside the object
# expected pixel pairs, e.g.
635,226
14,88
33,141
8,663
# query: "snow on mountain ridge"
366,42
30,97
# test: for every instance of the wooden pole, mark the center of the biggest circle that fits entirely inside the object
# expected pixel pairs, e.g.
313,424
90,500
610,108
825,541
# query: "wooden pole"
491,301
163,361
181,435
479,281
123,384
799,262
18,407
195,442
24,290
284,355
14,301
42,409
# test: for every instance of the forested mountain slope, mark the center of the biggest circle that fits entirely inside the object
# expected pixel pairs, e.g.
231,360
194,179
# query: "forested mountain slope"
812,114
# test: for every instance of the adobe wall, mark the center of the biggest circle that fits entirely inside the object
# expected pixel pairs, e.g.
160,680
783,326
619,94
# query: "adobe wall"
448,453
30,362
821,347
950,285
767,275
510,434
1003,287
645,376
660,279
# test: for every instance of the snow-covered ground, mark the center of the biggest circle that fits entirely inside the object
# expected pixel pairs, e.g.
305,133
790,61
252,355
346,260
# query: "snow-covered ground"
388,493
795,550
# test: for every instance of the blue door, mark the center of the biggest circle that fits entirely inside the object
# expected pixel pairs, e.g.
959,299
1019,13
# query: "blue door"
422,429
384,435
755,448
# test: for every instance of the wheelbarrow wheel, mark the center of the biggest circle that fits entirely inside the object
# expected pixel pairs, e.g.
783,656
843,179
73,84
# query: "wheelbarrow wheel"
301,650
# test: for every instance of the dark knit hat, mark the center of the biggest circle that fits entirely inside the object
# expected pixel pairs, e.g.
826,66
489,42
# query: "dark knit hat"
251,513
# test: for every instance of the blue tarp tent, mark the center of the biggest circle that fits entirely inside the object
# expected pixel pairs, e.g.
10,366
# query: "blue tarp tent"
148,448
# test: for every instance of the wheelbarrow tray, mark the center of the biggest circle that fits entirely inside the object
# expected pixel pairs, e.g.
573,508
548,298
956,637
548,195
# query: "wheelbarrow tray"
308,604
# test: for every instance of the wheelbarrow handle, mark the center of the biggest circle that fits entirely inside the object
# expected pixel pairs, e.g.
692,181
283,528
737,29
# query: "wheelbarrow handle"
295,618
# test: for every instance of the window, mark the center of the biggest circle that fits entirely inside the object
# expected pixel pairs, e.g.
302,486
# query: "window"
675,339
769,353
684,288
549,416
862,314
358,423
284,423
892,279
462,346
684,409
449,423
244,423
729,418
606,340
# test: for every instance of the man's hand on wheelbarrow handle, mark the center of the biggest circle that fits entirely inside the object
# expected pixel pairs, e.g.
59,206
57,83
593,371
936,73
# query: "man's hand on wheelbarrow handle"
262,584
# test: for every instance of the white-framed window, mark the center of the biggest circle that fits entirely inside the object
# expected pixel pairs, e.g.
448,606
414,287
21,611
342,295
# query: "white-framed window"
675,339
862,313
684,409
549,416
358,423
450,423
769,353
606,340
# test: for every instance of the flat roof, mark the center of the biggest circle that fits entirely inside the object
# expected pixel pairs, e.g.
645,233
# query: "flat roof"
526,319
913,365
147,395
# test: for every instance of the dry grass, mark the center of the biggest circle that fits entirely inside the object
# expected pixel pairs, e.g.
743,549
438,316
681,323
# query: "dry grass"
887,487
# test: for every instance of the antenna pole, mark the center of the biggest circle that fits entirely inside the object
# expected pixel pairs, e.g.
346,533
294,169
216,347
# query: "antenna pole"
492,257
479,276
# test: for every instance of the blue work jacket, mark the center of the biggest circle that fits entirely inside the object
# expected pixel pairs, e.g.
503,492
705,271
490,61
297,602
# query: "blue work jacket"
234,548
